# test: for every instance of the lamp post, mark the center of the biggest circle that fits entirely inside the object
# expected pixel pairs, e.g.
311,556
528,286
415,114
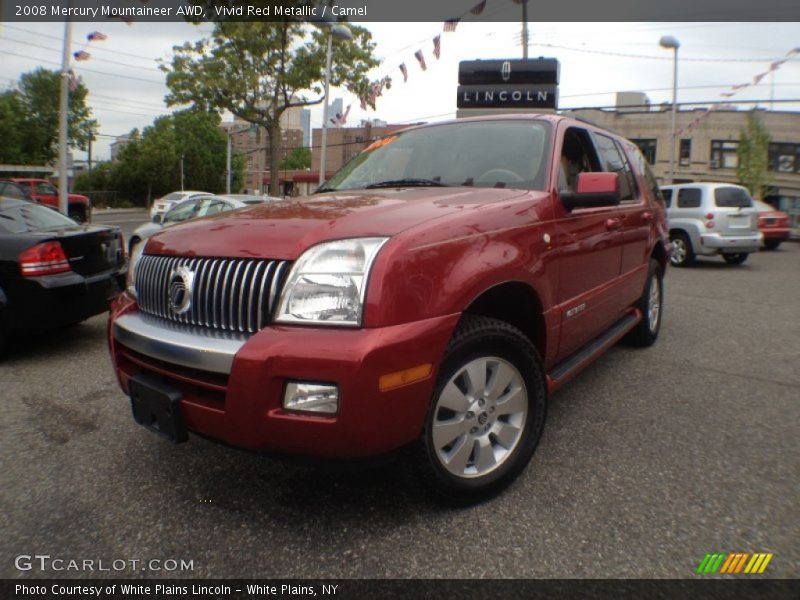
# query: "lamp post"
63,121
669,41
341,32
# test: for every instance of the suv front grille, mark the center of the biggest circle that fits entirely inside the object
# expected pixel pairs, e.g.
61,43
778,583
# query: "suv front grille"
227,293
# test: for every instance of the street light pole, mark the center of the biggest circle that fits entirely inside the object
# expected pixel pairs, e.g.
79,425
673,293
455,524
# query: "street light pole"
63,110
525,29
669,41
228,167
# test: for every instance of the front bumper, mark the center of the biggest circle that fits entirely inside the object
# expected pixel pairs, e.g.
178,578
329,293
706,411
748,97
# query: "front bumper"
711,243
232,387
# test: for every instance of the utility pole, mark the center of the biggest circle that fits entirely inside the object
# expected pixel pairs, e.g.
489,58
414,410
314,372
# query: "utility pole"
181,171
525,29
63,109
228,167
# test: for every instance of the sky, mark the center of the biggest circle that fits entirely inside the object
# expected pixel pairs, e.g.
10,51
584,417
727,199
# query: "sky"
127,90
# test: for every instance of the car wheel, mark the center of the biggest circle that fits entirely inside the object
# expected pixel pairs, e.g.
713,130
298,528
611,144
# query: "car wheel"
132,244
772,244
682,251
487,412
735,259
651,304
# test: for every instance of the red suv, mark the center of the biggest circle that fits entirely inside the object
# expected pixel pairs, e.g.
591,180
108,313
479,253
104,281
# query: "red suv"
433,293
44,192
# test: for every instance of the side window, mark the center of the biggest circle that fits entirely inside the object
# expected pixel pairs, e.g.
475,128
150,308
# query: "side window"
577,156
667,197
183,211
211,207
612,161
627,174
689,198
45,189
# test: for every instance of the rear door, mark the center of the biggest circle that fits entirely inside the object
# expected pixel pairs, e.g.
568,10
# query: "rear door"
589,251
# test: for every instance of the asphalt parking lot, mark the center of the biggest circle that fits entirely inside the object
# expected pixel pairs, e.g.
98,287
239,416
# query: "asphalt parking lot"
649,460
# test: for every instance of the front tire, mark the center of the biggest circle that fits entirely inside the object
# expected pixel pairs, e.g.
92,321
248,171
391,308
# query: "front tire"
651,304
682,251
735,259
487,412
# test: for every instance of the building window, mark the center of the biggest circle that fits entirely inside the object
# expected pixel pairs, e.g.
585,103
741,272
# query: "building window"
723,154
648,148
686,153
784,158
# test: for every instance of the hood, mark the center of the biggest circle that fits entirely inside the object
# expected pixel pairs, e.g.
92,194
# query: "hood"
283,230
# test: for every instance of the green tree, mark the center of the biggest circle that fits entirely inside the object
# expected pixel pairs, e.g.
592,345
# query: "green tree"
753,155
299,158
258,70
29,119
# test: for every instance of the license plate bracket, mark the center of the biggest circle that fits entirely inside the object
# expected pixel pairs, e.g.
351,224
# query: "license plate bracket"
156,406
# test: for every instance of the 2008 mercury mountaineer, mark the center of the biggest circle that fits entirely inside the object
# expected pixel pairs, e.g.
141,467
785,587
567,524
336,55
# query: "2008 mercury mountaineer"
434,292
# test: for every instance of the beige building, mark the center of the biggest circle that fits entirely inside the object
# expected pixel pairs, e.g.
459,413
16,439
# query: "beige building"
708,152
253,143
346,142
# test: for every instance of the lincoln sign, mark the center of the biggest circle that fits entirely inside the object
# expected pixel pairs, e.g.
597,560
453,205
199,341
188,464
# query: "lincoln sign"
508,83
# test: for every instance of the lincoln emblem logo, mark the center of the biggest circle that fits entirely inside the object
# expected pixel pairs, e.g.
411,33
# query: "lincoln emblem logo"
505,71
181,283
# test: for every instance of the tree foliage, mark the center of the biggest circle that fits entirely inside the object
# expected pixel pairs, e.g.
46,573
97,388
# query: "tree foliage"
258,70
299,158
753,155
29,119
149,165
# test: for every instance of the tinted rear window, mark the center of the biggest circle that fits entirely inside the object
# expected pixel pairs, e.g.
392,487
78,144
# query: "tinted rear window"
689,198
18,217
732,197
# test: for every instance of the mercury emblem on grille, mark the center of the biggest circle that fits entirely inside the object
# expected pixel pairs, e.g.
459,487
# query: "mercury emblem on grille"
181,284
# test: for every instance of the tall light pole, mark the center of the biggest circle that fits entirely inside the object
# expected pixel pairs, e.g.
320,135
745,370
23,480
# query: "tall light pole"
669,41
341,32
525,29
63,110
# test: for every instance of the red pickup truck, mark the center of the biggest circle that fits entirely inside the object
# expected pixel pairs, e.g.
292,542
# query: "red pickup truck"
44,192
432,294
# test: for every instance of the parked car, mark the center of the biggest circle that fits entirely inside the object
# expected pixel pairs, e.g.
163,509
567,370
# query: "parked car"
164,203
53,271
79,208
197,206
438,289
773,224
711,218
9,189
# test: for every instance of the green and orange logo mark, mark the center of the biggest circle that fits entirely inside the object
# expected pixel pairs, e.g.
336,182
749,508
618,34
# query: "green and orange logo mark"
734,562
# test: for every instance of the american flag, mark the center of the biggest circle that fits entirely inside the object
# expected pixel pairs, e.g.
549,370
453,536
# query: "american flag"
404,71
437,46
478,8
450,25
418,55
81,55
96,36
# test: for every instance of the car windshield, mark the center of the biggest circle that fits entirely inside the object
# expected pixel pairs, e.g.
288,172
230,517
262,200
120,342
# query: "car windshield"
732,197
478,154
22,217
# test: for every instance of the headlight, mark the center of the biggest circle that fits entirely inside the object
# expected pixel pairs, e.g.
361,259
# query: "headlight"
133,263
327,284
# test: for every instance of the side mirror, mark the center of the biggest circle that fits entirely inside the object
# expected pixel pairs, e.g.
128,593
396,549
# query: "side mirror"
157,219
593,190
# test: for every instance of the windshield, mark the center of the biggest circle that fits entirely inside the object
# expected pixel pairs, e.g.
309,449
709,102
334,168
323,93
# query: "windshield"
21,217
732,197
478,153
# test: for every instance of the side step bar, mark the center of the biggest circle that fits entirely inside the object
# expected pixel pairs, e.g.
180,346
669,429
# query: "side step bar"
575,363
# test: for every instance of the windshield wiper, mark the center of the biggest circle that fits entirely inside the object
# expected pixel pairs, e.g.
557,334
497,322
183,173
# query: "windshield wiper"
409,182
322,189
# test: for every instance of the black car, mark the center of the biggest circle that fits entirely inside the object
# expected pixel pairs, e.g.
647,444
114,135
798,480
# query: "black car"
53,272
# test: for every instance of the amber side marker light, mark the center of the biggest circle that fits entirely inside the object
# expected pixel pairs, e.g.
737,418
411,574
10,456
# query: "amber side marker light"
400,378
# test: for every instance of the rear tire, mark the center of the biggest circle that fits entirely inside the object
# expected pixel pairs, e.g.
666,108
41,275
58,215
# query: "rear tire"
487,412
682,251
652,306
772,244
735,259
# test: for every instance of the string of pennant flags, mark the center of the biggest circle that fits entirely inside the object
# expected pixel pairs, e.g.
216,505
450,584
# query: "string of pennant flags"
773,66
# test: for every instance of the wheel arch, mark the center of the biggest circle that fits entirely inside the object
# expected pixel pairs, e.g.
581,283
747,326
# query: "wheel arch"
517,304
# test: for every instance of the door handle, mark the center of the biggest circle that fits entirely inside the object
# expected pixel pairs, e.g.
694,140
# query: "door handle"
647,217
612,224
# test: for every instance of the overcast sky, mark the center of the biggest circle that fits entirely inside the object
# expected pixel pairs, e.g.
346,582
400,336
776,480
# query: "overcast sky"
126,89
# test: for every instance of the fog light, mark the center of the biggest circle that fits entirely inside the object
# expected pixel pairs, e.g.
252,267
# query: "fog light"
311,397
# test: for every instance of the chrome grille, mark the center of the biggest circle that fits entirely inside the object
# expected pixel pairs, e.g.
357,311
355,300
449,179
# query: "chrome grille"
228,293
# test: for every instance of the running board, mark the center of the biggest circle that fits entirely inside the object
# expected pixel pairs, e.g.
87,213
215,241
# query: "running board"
575,363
